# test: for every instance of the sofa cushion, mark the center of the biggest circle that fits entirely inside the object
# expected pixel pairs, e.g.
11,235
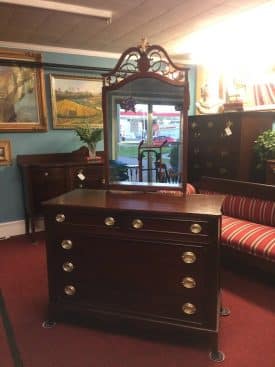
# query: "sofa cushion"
256,239
190,189
255,210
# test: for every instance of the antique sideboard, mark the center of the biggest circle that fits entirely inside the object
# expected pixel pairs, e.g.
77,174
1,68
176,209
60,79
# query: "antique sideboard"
142,258
45,176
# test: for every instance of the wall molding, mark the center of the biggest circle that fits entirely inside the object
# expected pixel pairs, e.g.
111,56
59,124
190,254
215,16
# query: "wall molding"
16,228
61,50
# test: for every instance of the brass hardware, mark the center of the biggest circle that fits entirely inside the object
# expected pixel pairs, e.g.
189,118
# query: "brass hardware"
68,266
195,228
66,244
109,221
70,290
188,282
188,257
194,125
60,217
189,308
103,181
137,223
46,174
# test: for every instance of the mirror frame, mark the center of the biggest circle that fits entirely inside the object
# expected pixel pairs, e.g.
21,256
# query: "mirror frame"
145,61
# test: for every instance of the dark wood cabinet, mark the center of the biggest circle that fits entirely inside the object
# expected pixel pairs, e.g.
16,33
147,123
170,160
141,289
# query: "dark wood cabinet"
221,145
142,258
45,176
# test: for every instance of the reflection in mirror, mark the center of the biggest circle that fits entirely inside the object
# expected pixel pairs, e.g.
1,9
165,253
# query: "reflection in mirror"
144,118
146,136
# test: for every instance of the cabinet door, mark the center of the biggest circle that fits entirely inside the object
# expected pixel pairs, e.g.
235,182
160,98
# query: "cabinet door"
89,176
47,182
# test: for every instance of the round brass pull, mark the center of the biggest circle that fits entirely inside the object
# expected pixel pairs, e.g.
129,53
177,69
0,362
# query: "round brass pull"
195,228
70,290
137,223
188,282
60,218
46,173
68,266
189,308
109,221
188,257
66,244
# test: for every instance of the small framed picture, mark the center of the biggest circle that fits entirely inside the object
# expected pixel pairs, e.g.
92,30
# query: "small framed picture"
76,100
5,153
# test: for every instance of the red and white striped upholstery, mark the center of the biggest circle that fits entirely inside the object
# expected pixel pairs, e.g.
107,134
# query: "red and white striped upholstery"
247,236
255,210
190,189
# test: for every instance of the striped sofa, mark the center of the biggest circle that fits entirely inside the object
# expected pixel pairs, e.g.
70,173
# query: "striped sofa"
248,223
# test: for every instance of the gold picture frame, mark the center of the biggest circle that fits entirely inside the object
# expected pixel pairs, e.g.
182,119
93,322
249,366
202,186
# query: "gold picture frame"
5,153
76,100
22,92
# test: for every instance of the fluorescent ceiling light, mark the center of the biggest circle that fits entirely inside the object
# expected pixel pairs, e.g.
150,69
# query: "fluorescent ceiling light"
62,7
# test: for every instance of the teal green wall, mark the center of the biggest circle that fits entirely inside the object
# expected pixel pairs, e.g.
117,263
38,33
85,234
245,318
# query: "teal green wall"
52,141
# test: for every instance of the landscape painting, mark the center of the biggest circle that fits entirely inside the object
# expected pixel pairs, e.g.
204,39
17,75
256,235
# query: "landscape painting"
22,100
76,100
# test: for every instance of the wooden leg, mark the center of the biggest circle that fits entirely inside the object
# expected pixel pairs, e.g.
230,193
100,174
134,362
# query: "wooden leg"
216,355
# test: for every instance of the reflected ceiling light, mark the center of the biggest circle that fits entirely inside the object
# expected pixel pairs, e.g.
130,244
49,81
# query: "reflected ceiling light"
63,7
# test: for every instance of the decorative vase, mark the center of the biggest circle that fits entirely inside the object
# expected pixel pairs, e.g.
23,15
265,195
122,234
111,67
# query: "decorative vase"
92,151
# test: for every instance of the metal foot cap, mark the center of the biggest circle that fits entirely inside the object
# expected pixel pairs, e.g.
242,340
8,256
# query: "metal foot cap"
48,324
217,356
224,311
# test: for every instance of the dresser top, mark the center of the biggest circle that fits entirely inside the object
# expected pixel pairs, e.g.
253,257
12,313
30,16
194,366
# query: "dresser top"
139,201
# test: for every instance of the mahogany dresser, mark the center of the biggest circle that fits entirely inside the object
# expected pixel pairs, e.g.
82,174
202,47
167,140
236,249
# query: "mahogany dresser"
140,258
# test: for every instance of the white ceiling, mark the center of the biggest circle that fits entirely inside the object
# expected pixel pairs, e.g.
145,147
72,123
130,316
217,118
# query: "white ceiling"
163,22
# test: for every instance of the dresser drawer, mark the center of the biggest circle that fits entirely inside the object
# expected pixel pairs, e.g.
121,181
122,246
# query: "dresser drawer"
121,265
141,226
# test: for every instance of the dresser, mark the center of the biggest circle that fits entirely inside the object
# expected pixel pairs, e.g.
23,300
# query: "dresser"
141,258
221,145
45,176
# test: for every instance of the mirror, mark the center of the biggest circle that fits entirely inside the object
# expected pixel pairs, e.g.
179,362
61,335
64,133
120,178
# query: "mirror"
145,103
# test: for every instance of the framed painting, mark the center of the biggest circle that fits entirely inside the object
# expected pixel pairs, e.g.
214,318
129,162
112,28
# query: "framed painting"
22,92
76,100
5,153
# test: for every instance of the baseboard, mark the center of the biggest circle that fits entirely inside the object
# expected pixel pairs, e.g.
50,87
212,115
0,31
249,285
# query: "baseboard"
16,228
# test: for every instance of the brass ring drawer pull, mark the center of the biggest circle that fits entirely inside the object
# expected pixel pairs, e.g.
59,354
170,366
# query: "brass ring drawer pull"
68,266
189,308
66,244
60,218
137,224
195,228
188,282
70,290
188,257
109,221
